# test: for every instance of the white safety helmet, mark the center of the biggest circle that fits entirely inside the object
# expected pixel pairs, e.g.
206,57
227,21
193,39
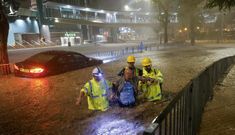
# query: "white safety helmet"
97,71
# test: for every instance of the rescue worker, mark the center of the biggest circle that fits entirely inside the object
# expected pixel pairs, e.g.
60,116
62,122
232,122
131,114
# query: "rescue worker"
126,89
152,84
131,64
97,90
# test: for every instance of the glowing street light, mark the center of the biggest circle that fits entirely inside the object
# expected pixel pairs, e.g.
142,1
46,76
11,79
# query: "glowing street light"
185,29
87,9
57,20
127,7
102,11
198,28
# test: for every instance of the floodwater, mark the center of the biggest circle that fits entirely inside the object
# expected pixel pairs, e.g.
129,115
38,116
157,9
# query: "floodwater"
46,106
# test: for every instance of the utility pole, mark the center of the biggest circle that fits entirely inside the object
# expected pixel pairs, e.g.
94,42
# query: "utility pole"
87,26
40,16
222,27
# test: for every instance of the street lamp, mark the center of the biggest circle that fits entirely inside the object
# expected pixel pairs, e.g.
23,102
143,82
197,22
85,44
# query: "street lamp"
126,7
57,20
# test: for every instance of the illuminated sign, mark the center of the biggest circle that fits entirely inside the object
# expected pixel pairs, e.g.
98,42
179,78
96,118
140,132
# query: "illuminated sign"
70,34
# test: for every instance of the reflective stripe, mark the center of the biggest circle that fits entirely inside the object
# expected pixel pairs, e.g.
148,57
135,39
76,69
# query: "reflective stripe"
155,71
90,85
106,86
106,89
91,93
86,90
94,96
136,72
104,95
159,94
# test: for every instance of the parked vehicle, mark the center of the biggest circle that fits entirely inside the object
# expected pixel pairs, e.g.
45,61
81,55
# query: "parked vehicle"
53,62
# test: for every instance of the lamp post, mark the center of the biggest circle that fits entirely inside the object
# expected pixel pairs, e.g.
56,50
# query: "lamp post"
87,26
127,8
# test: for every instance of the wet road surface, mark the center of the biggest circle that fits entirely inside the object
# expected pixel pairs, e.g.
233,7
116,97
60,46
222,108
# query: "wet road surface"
46,106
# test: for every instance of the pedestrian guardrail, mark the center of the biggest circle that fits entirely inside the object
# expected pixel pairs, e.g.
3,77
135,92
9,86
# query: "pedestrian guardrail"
6,69
35,43
183,114
130,50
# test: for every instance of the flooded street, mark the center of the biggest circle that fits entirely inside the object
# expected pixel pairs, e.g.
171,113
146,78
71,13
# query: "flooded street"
46,106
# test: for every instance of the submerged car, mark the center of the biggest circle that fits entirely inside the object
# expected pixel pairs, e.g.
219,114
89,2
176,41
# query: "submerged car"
53,62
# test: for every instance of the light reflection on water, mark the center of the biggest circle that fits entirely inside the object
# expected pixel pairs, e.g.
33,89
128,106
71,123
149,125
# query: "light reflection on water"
38,91
40,85
107,59
110,124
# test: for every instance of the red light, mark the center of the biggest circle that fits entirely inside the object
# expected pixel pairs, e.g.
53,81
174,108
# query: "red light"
16,67
36,70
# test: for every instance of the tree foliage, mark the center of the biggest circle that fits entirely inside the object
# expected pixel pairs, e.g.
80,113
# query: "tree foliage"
189,15
10,5
164,8
221,4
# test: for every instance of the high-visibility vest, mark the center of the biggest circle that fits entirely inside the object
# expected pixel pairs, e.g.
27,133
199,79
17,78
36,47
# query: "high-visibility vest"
136,72
96,93
152,91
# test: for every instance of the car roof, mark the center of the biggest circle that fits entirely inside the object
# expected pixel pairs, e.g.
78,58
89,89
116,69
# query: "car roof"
59,52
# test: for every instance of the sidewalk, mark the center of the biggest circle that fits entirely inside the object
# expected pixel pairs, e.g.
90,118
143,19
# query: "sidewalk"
124,44
219,114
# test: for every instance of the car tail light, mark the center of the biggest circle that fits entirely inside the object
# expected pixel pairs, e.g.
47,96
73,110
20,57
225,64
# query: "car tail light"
16,67
36,70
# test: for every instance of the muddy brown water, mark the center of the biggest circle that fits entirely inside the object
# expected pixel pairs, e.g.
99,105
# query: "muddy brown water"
46,106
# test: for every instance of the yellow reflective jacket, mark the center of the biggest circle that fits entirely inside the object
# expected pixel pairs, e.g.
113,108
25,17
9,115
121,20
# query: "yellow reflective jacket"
97,94
152,90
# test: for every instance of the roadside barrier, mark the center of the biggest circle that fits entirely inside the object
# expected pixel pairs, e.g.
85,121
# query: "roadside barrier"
6,69
183,114
131,50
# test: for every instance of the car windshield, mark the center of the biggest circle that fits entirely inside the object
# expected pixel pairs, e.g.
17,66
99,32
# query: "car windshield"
40,58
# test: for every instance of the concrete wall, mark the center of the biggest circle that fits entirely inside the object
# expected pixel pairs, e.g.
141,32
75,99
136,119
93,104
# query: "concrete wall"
25,25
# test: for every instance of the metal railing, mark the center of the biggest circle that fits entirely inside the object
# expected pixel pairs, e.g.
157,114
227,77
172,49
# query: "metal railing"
19,44
6,69
184,113
35,43
26,43
130,50
32,44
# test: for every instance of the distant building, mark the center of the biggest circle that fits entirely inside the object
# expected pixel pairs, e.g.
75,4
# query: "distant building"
60,22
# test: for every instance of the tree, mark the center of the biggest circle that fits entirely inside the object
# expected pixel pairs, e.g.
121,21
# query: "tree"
189,12
164,6
6,6
221,4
